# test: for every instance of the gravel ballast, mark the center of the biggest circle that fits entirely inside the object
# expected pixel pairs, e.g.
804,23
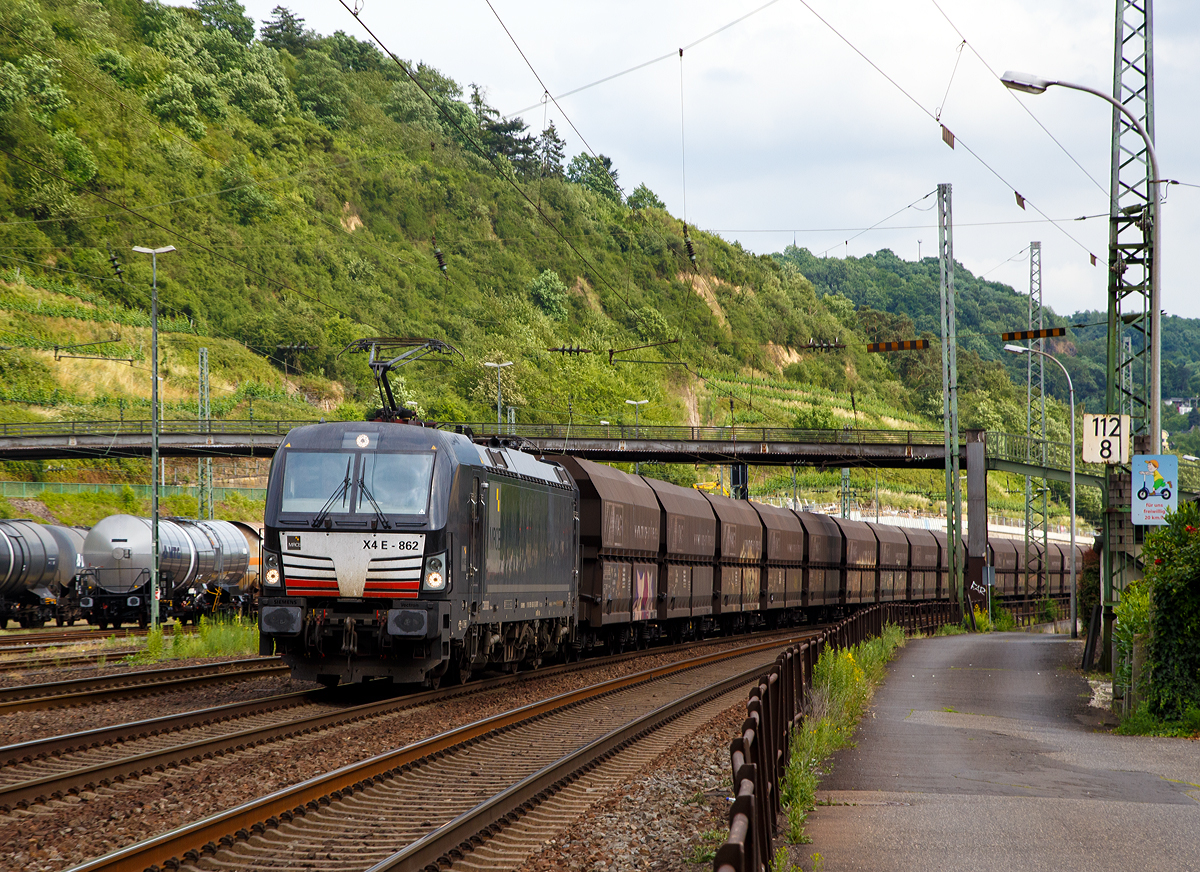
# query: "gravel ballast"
62,833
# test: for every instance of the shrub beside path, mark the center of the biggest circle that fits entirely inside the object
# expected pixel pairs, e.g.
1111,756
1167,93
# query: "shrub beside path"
980,752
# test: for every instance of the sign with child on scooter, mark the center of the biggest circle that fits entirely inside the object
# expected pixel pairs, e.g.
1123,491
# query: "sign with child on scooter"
1155,487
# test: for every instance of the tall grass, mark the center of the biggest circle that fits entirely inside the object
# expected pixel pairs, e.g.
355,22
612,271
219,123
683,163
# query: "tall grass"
844,681
213,637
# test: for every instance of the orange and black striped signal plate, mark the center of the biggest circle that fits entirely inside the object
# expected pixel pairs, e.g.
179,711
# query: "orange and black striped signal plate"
906,345
1018,335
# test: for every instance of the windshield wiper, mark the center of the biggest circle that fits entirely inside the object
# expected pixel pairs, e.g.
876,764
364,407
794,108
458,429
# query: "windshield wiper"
341,491
366,491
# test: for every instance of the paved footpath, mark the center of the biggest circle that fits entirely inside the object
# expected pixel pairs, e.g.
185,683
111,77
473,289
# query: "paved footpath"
980,752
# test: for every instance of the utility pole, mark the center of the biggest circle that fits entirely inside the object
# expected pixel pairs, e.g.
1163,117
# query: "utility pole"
204,501
1132,316
155,423
1036,448
950,388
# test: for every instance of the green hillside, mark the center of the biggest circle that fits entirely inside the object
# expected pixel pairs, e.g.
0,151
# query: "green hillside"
309,185
318,192
908,290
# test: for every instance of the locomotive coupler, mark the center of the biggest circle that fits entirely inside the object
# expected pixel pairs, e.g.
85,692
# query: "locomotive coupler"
349,637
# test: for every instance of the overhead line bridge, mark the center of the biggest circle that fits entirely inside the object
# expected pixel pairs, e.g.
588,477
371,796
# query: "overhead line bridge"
754,446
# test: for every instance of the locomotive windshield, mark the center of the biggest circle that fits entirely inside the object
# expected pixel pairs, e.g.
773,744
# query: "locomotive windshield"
332,481
398,482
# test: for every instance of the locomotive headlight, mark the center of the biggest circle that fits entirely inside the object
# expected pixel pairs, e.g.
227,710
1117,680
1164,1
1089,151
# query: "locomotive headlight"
435,572
271,576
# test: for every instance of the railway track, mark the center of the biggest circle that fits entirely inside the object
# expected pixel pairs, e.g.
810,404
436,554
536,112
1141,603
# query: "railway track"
50,661
85,691
437,794
62,765
18,640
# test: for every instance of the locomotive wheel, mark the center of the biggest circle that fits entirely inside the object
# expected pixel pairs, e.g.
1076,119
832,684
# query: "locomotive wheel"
103,625
58,622
458,673
143,621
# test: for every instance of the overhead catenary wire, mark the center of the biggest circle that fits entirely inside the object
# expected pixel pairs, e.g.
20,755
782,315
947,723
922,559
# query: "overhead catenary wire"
658,59
949,137
877,223
1011,94
506,175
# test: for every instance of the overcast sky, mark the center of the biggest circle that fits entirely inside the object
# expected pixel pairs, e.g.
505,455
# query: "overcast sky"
791,134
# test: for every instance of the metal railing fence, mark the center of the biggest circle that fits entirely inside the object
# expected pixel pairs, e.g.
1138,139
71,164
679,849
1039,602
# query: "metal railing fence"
34,489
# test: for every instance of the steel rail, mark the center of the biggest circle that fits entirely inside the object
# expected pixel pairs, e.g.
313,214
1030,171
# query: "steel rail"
14,640
56,785
56,694
16,664
187,842
453,840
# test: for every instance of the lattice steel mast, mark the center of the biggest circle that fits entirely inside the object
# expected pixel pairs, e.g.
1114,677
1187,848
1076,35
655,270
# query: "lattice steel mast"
204,493
1037,449
950,388
1133,212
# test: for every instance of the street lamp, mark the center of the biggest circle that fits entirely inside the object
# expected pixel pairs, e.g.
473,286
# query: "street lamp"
498,367
154,424
1035,85
1021,349
635,404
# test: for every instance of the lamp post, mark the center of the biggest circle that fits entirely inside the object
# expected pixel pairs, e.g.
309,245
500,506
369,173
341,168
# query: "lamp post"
154,425
637,467
498,367
1035,85
1021,349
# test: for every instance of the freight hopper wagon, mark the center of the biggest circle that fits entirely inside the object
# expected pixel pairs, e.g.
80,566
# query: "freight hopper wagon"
399,552
202,566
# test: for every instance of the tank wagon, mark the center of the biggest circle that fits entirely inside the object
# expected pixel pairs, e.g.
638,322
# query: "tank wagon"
400,552
37,563
203,566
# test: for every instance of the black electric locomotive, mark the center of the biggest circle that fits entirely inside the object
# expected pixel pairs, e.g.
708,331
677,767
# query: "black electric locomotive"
407,553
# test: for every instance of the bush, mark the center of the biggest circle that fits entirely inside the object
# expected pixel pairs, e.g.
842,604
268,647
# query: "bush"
1172,560
549,294
843,682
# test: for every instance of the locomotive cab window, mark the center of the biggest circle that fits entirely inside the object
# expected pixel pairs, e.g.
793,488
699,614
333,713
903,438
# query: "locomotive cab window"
312,478
346,482
399,483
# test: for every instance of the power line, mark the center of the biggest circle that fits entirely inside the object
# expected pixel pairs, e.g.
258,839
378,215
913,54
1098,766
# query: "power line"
1020,103
656,60
471,140
949,137
905,226
877,223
